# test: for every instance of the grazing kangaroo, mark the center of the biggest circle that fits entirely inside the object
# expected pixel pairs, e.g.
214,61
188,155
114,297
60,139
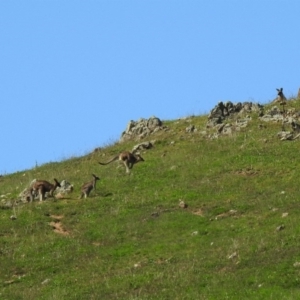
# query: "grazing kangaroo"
42,187
128,159
87,187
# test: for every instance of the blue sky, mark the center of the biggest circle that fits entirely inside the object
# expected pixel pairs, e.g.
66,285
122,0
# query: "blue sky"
74,73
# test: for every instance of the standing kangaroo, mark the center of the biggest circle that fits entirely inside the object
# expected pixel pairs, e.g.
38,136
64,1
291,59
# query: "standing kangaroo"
128,158
87,187
42,187
281,96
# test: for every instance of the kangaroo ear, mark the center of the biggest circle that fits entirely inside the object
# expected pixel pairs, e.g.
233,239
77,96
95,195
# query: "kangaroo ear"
277,90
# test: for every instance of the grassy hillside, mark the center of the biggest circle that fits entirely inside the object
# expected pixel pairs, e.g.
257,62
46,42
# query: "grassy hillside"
239,237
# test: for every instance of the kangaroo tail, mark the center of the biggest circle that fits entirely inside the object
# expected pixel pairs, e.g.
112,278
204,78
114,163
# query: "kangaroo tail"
108,162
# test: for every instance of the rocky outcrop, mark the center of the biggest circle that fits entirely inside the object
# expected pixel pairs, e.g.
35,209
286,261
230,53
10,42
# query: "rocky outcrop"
65,188
25,195
143,146
288,119
137,130
228,118
223,111
275,114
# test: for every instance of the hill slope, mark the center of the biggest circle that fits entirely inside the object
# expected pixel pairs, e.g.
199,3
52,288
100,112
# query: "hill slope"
237,239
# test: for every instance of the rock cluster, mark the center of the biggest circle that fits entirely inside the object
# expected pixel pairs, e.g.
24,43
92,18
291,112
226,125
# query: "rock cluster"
290,118
223,111
65,188
25,195
143,146
137,130
228,118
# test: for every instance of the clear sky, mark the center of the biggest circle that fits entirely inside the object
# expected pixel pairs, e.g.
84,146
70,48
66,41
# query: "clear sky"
74,73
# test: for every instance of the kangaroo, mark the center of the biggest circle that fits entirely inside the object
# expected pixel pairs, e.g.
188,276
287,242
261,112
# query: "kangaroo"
281,98
128,159
87,187
43,186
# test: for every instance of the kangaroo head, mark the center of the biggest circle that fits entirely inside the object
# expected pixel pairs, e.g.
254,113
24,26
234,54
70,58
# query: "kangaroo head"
95,177
280,92
57,183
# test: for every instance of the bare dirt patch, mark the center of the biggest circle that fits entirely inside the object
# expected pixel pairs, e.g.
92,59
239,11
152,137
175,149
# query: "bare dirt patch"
56,217
247,172
198,212
230,213
57,225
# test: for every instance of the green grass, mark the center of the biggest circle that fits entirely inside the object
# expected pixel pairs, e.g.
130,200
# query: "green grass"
131,240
